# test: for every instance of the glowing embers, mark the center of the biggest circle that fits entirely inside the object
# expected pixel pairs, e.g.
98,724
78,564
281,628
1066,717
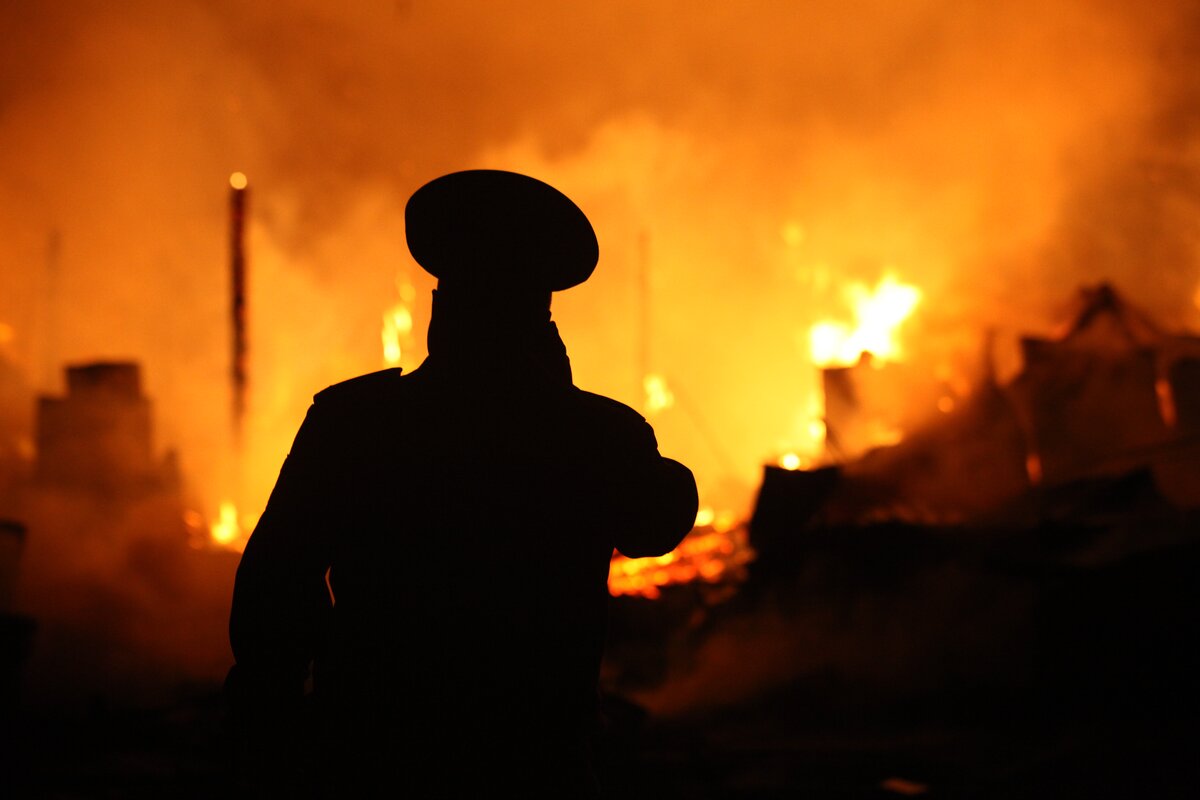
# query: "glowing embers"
878,313
716,551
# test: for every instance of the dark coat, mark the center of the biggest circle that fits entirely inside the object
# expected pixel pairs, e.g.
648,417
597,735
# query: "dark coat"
465,523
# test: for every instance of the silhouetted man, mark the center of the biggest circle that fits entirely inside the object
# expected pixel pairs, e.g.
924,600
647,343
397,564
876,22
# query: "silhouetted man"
465,515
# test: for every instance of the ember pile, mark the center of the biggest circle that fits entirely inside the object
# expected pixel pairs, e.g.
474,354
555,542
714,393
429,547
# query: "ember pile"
716,551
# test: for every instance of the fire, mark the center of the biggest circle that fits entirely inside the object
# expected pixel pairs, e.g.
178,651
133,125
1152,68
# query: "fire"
878,313
717,550
238,180
397,329
228,531
658,395
397,325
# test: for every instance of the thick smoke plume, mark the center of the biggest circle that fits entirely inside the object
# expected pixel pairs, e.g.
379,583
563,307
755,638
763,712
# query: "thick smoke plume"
751,159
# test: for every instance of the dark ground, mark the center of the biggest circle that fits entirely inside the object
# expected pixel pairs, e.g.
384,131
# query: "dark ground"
877,662
181,751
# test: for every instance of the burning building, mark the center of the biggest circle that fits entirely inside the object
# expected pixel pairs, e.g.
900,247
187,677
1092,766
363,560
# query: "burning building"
1111,394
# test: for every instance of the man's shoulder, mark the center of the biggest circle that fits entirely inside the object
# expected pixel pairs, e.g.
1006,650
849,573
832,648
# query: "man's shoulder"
363,389
606,407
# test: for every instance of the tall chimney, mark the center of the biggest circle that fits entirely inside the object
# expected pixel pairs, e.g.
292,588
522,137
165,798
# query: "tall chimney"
237,266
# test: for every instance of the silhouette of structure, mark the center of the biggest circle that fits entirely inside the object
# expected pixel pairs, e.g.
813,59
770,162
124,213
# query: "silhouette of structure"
464,516
100,435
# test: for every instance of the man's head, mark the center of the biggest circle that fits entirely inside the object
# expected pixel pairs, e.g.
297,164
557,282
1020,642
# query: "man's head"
499,243
492,232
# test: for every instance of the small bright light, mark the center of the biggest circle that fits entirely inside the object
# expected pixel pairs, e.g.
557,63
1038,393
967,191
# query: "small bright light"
226,530
658,395
238,180
705,516
789,461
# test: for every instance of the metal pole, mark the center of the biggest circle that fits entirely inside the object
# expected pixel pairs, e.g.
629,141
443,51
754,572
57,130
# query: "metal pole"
237,265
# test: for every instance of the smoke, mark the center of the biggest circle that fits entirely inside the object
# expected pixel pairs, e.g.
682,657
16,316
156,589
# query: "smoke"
844,632
751,159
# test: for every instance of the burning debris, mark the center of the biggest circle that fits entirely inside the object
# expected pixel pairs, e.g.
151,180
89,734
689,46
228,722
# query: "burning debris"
936,575
1111,395
717,551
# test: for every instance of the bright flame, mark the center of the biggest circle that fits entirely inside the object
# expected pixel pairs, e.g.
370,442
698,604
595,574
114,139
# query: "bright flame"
716,551
239,181
877,313
227,530
658,395
790,461
397,325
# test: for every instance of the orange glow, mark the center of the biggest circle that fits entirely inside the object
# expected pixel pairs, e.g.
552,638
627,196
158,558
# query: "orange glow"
733,202
878,313
1033,468
1166,402
793,234
397,325
790,461
658,395
229,532
716,551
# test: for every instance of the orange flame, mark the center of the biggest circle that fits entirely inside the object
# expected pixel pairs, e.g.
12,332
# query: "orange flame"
878,313
397,325
716,551
230,531
658,395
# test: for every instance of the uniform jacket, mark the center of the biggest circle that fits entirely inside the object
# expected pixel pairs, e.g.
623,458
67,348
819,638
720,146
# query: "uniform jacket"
437,548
